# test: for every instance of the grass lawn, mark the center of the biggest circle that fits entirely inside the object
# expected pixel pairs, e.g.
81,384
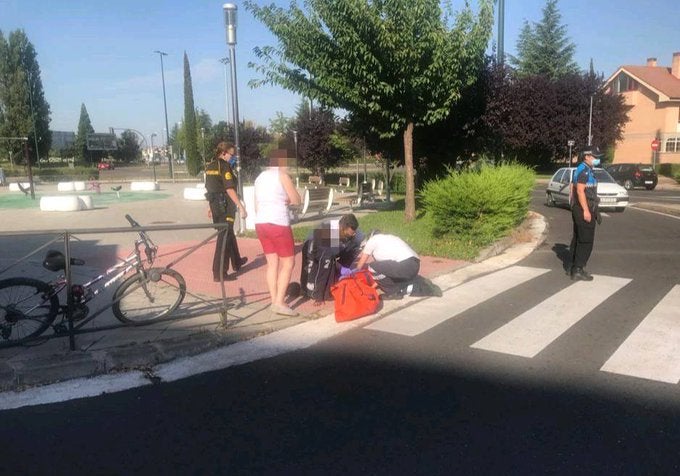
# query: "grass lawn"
418,234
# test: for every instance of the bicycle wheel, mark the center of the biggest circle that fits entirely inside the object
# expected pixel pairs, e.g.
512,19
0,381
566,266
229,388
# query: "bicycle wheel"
144,298
27,308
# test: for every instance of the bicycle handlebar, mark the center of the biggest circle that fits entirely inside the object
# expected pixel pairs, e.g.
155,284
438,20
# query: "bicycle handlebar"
149,246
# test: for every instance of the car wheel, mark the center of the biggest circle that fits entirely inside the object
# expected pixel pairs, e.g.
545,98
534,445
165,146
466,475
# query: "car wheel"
549,200
620,209
627,184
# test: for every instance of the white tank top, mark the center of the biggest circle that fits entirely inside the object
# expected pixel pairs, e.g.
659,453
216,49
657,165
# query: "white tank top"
271,198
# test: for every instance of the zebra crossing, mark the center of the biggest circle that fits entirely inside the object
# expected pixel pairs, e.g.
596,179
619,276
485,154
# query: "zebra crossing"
651,351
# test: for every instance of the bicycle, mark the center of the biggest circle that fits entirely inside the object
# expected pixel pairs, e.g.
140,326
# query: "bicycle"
29,306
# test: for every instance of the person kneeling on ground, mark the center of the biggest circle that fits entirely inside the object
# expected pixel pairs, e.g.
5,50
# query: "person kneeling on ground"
329,251
395,267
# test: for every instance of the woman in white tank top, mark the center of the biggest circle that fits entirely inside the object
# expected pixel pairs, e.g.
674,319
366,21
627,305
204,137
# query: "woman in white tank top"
274,192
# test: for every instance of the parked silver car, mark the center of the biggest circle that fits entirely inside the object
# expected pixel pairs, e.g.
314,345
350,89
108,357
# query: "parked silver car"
612,195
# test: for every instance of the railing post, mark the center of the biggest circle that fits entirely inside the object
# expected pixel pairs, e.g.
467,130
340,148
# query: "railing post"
69,293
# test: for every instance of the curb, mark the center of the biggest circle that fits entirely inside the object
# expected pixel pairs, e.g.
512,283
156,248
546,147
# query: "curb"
149,358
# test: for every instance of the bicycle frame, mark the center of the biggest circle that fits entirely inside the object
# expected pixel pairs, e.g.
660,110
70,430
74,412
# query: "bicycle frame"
132,261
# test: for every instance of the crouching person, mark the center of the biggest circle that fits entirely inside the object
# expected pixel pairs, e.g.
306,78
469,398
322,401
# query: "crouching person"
331,249
395,267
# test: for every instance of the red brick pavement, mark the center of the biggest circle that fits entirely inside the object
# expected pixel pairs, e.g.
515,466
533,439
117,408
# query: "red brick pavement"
251,283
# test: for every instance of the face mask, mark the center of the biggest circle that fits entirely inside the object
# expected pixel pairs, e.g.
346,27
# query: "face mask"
232,161
596,162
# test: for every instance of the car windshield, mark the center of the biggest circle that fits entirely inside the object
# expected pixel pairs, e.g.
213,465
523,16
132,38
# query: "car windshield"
603,176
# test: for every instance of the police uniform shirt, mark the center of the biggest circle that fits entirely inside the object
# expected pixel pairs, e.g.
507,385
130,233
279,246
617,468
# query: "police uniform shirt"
219,177
584,174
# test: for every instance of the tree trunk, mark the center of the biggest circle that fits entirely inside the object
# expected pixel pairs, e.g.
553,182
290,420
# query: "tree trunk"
410,209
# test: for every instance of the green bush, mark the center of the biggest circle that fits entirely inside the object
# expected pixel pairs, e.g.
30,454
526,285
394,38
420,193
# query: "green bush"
669,170
480,205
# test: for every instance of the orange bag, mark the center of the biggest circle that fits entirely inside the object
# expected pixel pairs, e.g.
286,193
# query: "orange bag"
355,297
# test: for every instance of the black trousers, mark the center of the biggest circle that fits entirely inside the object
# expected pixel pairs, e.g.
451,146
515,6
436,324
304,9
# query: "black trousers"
393,277
225,237
583,238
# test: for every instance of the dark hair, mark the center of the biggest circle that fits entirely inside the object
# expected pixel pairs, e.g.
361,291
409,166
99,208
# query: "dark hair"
349,220
222,147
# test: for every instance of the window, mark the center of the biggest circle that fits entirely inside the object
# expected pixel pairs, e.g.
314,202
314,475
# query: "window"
625,83
673,144
558,175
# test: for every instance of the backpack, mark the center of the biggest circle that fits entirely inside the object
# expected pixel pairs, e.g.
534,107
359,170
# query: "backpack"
318,271
355,296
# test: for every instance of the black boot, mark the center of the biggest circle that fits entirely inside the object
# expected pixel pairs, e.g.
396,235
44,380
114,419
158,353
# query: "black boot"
580,274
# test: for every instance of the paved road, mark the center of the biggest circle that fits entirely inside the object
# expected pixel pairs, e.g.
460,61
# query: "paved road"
446,394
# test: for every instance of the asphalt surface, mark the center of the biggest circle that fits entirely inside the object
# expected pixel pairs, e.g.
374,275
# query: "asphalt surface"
125,349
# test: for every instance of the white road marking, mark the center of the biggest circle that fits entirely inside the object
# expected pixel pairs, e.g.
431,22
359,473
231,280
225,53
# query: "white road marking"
535,329
652,350
433,312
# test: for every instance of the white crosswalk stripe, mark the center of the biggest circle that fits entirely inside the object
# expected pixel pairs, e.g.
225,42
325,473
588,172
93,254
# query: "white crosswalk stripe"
435,311
535,329
652,351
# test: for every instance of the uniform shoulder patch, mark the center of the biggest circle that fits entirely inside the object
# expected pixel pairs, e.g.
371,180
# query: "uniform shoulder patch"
227,175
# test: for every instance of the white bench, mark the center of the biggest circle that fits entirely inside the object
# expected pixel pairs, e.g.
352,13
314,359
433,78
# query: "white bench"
319,200
66,203
195,193
144,186
14,186
71,186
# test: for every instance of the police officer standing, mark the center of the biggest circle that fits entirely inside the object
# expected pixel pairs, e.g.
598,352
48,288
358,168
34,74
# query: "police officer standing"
220,184
584,212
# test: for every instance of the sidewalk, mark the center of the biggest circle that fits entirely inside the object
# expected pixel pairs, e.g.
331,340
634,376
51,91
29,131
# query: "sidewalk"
145,350
108,347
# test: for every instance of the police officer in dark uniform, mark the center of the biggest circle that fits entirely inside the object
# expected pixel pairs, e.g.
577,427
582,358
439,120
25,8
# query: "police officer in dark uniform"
220,184
584,212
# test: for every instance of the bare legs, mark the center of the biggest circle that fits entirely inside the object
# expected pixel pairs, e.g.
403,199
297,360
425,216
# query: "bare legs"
279,271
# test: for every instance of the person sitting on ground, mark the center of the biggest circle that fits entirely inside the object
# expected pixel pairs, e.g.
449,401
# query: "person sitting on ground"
395,267
331,249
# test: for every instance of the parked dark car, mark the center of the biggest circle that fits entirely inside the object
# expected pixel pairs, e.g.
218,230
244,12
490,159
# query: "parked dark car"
634,175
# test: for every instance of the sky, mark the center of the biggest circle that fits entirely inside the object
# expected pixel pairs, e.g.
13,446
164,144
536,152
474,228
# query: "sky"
101,54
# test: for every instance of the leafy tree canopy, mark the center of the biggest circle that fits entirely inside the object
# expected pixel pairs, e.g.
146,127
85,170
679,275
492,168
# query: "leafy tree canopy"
395,64
544,48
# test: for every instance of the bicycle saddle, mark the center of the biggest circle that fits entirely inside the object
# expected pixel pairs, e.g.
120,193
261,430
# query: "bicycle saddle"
56,261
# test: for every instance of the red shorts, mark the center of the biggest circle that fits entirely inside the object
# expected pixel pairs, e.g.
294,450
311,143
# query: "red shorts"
276,239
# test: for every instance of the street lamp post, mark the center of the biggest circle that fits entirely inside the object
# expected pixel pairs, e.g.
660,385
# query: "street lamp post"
153,157
203,149
297,173
225,62
590,122
165,106
230,25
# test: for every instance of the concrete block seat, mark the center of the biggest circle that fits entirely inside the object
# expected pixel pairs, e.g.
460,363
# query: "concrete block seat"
66,203
144,186
76,186
14,186
195,193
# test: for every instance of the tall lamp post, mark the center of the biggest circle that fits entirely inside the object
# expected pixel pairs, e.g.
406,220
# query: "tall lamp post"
230,25
225,62
590,123
165,106
153,157
297,173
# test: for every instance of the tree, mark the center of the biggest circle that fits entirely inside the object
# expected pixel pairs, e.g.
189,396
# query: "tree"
280,125
128,147
194,161
533,117
319,147
394,65
24,112
545,48
84,128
